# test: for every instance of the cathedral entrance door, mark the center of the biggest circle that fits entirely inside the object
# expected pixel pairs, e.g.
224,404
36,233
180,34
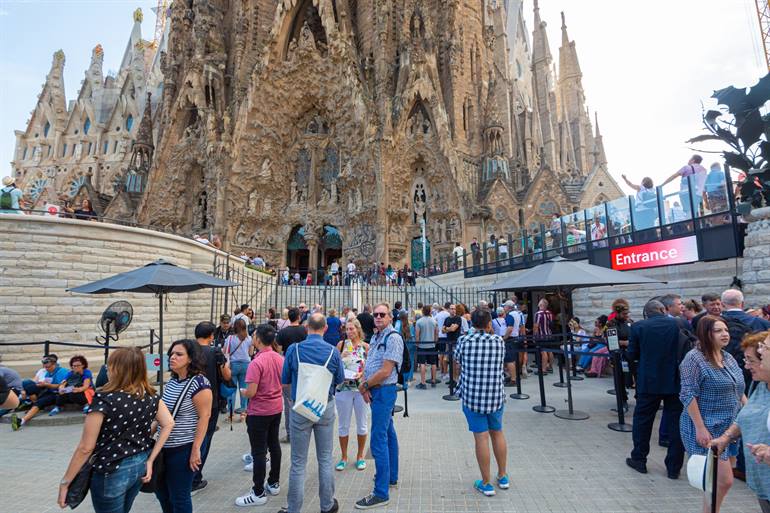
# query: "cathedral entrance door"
418,262
329,250
297,253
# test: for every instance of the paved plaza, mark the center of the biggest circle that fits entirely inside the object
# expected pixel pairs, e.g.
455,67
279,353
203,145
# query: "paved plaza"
555,465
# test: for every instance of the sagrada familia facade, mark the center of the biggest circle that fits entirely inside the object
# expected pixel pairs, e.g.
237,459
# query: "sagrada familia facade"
311,130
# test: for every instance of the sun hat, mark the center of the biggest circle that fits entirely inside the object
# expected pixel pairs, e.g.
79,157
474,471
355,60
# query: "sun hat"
700,471
8,180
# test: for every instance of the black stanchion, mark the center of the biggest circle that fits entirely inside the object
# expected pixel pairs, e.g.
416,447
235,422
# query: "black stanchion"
573,364
542,407
570,413
617,373
451,395
518,394
561,383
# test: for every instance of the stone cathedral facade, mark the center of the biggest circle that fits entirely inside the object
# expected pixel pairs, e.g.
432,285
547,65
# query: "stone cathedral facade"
310,130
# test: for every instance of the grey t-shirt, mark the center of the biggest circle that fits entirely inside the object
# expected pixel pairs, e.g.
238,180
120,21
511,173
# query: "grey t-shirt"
11,377
427,326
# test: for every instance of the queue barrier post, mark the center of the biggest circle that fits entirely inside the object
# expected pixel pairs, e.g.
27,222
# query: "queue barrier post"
570,413
517,351
617,375
560,360
451,395
542,407
573,364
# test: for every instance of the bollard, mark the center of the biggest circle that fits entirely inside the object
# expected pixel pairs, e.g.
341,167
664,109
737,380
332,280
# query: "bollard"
617,375
542,407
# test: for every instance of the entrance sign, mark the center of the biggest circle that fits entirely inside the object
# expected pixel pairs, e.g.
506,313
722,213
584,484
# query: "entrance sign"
656,254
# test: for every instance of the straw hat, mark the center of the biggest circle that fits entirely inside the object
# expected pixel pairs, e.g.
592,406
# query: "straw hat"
8,180
700,471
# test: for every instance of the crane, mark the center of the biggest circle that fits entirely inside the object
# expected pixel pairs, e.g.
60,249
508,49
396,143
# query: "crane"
161,15
763,15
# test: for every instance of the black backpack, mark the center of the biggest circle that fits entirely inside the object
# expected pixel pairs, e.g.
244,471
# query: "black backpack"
738,330
686,342
406,361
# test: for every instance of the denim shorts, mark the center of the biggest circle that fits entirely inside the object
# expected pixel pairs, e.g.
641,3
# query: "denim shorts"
483,422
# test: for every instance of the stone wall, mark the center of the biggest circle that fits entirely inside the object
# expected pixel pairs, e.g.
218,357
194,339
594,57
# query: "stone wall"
688,280
756,263
40,257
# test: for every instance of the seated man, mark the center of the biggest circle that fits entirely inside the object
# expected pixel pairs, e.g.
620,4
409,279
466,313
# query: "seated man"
12,382
42,392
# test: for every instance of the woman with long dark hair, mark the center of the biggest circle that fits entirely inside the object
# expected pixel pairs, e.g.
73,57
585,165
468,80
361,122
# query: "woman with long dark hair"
712,395
122,446
182,452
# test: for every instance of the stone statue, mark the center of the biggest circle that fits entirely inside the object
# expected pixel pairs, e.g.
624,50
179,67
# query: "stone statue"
333,193
267,206
441,230
265,171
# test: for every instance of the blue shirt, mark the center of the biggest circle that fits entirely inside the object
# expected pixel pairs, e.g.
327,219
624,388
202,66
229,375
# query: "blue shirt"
76,380
332,335
58,375
316,351
381,350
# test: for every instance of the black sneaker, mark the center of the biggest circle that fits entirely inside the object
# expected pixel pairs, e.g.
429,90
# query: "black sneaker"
371,501
639,466
199,486
335,507
421,386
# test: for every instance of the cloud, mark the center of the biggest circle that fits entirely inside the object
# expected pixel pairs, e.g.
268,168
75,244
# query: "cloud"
3,12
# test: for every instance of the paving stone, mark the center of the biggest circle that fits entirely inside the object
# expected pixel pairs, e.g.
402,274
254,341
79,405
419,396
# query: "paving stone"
555,465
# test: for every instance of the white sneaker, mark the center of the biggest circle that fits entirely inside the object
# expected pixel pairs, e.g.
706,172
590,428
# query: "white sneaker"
246,458
249,467
251,499
272,489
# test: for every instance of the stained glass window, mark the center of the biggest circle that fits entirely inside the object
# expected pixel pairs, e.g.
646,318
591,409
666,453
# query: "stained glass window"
75,185
37,187
46,129
87,126
129,122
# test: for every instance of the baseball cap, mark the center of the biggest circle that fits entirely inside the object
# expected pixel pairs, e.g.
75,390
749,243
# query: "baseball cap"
224,318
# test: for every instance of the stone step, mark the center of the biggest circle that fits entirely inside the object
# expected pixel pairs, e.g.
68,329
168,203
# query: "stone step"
65,418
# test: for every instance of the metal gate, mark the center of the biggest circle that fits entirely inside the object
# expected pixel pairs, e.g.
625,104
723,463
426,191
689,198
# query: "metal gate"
262,291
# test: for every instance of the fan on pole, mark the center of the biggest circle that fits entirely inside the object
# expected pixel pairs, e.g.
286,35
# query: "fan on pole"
114,321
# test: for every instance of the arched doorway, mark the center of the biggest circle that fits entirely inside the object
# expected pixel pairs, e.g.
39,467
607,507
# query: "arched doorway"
297,254
330,246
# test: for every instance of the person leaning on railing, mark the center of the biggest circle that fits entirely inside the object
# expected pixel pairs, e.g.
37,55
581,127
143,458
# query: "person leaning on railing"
751,422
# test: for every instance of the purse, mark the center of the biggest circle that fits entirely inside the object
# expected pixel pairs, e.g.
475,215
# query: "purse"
78,488
159,465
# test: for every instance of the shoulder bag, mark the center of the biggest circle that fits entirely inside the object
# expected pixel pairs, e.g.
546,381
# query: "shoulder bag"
159,465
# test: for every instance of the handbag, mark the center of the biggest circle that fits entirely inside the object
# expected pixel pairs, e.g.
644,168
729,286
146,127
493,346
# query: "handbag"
79,486
313,382
159,465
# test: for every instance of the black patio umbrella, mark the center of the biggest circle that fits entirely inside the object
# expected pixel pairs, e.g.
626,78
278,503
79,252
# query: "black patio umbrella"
159,277
565,276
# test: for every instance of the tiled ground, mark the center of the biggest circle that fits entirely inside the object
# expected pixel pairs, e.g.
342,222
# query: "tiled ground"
555,465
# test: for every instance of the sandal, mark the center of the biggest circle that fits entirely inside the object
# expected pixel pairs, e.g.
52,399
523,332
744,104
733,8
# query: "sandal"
341,466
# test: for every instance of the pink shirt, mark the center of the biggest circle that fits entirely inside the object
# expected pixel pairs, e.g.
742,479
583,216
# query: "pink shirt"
265,371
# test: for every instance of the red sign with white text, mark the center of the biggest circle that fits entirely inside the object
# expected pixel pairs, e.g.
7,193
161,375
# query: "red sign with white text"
656,254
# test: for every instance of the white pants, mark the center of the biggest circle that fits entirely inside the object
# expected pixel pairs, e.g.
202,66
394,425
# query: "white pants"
347,402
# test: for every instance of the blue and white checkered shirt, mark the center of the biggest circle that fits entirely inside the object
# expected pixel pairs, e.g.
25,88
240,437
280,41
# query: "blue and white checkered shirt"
481,385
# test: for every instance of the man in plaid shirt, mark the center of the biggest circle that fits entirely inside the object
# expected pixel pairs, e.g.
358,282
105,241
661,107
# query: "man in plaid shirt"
481,388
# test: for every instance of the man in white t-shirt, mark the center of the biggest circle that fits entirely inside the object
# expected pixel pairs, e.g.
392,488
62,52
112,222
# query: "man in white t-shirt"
699,175
440,317
513,320
334,268
351,272
458,253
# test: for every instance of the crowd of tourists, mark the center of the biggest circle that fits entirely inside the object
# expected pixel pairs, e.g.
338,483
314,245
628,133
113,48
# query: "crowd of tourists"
310,369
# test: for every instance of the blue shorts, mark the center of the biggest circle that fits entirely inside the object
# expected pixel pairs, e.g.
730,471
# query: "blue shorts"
483,422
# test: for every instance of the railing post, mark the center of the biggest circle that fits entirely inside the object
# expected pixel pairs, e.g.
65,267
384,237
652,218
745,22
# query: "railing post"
47,348
227,289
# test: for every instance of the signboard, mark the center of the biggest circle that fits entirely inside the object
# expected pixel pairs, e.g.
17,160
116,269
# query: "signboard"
612,339
52,210
153,362
656,254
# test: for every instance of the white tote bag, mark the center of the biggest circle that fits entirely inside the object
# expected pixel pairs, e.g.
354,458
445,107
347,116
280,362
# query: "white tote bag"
313,382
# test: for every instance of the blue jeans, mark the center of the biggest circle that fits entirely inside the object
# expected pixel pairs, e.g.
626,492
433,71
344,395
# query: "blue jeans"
239,378
115,492
384,443
174,492
205,447
300,431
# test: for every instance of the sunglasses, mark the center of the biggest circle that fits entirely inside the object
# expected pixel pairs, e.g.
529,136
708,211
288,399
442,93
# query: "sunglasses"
379,314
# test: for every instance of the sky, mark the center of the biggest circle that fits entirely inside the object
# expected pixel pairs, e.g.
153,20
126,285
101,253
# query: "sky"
648,66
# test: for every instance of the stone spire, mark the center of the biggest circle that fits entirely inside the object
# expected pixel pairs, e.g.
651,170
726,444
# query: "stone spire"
542,86
600,157
142,149
94,75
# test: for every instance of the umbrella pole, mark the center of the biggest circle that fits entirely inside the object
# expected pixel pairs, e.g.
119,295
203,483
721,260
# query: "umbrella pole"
160,341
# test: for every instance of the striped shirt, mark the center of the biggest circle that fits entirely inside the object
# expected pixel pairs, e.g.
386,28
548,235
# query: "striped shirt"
186,421
544,320
481,386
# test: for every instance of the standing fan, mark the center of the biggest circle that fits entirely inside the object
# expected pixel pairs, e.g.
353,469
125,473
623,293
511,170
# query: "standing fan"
115,319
